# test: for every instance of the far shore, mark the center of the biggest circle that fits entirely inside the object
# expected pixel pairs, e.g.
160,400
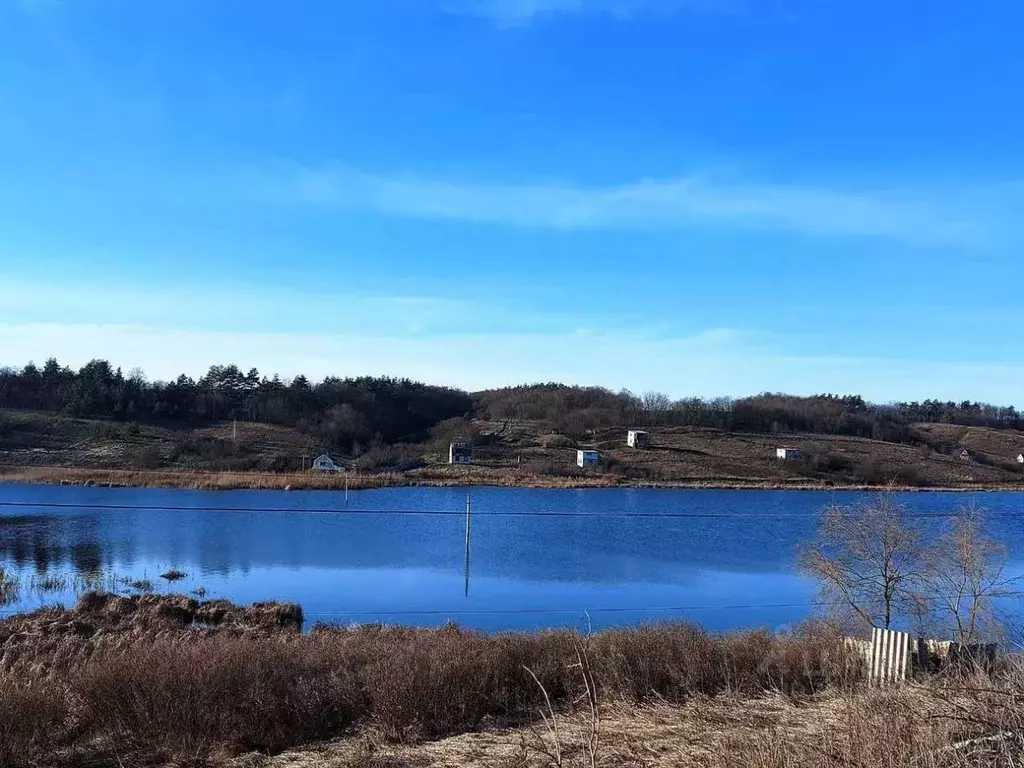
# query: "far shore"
437,476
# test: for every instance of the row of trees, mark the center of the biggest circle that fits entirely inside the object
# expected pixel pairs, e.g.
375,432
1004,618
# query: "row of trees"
346,412
341,411
577,410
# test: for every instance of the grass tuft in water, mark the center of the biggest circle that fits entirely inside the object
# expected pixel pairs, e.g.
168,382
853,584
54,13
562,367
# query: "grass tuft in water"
55,582
140,585
8,588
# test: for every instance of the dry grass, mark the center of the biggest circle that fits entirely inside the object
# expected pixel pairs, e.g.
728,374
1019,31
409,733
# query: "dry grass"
150,680
433,476
154,677
913,727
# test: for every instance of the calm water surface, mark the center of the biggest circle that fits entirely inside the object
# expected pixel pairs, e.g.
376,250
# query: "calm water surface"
539,558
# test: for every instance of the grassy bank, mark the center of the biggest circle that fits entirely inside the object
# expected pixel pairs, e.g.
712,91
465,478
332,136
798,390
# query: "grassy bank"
166,680
47,447
439,476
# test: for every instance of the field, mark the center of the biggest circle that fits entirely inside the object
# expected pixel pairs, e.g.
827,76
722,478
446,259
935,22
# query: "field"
37,447
128,682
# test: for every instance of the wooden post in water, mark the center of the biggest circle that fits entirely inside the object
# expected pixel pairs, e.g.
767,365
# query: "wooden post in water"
468,512
346,487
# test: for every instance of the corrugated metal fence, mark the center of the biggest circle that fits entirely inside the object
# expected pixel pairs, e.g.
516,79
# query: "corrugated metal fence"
892,657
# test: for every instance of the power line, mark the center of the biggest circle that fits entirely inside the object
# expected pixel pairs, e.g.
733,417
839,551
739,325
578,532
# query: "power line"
452,513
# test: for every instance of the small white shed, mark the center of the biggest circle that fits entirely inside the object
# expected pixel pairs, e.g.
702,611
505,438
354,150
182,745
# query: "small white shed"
788,454
635,438
325,463
1020,458
587,459
460,453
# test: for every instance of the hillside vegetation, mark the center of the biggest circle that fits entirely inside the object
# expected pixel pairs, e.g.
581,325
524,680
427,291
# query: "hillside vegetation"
392,431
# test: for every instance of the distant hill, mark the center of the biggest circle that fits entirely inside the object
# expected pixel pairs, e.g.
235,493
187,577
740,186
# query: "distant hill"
229,420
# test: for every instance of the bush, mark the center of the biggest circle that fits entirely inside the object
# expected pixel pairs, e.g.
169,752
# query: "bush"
401,457
34,717
186,699
137,675
555,440
877,472
149,457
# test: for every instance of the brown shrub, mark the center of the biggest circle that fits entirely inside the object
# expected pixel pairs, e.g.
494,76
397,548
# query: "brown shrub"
187,699
143,674
34,717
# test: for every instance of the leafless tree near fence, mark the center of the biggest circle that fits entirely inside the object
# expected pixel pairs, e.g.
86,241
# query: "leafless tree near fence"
868,561
965,576
874,570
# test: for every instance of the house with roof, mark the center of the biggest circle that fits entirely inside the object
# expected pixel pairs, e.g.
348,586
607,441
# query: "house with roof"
324,463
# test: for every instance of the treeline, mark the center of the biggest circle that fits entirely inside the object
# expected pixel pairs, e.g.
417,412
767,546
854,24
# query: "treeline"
354,413
577,411
342,413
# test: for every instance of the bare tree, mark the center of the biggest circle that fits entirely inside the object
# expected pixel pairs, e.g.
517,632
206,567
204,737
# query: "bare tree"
654,405
868,562
966,576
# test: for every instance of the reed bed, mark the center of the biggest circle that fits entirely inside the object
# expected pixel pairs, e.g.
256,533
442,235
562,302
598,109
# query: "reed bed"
432,476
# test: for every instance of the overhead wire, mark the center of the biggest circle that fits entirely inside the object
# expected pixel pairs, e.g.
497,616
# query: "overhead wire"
21,504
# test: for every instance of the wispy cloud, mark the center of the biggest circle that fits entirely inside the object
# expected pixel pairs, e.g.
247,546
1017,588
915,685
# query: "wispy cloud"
226,307
522,11
650,204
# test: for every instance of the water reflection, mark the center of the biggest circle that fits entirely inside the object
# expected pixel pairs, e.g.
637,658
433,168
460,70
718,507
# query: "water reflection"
703,555
48,543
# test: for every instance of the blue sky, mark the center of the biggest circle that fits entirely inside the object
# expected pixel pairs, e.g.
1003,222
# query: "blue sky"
712,197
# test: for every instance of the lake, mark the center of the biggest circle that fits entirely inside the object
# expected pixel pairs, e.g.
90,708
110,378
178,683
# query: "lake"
539,558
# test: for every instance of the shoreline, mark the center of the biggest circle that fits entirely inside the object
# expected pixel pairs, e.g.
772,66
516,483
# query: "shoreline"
437,477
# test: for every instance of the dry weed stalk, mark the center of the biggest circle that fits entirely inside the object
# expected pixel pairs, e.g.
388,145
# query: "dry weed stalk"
547,714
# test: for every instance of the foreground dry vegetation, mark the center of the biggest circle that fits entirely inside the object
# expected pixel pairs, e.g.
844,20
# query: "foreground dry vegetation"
148,680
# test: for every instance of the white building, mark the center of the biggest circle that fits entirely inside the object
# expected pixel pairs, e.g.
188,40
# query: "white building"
587,459
1020,458
325,463
636,439
460,453
788,454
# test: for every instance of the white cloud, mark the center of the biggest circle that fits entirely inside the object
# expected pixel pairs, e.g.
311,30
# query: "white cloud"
717,362
648,204
520,11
